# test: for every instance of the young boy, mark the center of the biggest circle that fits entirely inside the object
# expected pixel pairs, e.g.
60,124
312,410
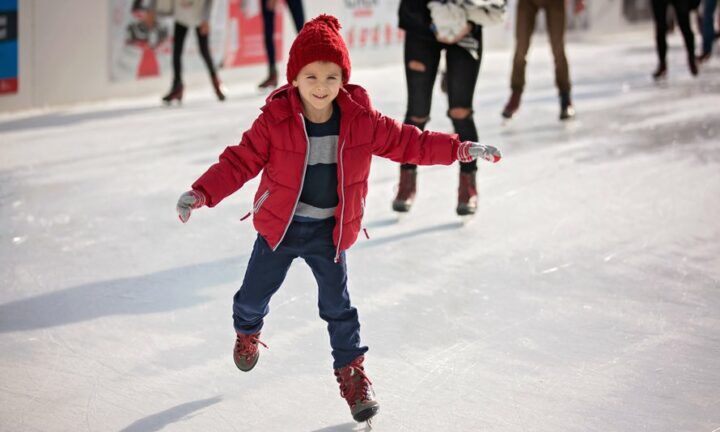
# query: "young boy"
313,142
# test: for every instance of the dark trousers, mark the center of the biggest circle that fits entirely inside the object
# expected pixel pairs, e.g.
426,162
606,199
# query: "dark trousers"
682,14
462,74
179,43
527,11
311,241
708,26
298,16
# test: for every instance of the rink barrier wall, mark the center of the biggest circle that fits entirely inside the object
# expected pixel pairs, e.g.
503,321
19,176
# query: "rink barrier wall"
63,55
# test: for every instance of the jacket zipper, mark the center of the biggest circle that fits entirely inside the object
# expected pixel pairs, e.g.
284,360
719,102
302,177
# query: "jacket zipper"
256,206
362,218
302,182
342,208
261,201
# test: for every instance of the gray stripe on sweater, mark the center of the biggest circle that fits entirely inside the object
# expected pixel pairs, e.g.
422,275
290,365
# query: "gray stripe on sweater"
307,210
323,150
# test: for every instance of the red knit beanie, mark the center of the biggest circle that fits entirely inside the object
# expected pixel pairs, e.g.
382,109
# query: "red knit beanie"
319,40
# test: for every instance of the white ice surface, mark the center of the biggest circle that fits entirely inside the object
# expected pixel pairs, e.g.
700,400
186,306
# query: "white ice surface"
585,295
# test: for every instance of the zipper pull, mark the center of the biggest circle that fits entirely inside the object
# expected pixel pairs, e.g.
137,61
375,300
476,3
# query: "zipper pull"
246,216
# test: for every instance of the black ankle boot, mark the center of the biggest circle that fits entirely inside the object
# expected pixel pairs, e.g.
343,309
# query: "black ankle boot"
271,81
176,93
567,111
660,72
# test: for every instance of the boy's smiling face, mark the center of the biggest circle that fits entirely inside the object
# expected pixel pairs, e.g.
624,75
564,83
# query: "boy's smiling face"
319,84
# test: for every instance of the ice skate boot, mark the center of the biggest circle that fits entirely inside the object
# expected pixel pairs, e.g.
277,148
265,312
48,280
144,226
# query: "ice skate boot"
467,194
246,353
406,190
660,73
176,93
512,105
567,111
692,65
220,89
270,82
355,388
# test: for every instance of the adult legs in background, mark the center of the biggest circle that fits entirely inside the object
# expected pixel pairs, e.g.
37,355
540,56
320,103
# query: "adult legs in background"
204,44
268,15
422,58
462,74
682,13
555,18
297,13
708,29
659,8
176,91
524,27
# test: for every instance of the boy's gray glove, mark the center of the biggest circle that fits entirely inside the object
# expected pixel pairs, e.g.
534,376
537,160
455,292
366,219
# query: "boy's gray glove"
189,201
469,151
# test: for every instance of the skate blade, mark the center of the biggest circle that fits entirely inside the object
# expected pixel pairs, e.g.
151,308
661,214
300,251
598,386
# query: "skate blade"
466,219
170,102
401,216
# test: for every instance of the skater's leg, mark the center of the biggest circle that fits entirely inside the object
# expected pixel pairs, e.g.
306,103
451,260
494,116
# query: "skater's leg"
265,273
204,45
555,19
463,70
422,58
297,13
708,28
333,297
524,28
660,14
268,17
179,34
682,13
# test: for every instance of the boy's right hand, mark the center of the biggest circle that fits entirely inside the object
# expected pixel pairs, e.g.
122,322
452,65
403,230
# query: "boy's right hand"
189,201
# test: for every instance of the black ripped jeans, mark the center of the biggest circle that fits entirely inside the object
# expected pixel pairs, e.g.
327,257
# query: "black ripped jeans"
179,35
462,74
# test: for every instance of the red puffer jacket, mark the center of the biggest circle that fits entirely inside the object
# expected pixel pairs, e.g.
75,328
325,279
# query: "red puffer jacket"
277,145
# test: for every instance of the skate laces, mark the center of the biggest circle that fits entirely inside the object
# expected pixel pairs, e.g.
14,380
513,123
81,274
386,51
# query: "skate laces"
354,383
246,345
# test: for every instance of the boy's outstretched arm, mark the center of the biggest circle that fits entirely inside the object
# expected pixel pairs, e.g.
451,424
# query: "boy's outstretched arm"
405,143
237,165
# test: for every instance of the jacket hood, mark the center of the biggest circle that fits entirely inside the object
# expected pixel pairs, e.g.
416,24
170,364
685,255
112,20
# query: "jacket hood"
285,101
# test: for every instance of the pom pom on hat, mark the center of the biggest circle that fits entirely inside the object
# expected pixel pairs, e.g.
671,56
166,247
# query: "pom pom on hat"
319,40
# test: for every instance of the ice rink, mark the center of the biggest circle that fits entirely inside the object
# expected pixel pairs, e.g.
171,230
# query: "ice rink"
584,296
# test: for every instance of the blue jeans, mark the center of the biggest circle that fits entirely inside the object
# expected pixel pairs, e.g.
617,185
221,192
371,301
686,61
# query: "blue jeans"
311,241
708,25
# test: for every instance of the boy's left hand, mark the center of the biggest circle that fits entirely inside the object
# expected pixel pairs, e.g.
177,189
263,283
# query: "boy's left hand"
469,151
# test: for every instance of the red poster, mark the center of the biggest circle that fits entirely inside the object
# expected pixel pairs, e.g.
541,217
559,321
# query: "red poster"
245,40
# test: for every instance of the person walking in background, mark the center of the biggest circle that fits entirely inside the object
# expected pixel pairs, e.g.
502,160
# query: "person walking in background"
524,26
268,15
682,16
426,36
708,29
188,14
